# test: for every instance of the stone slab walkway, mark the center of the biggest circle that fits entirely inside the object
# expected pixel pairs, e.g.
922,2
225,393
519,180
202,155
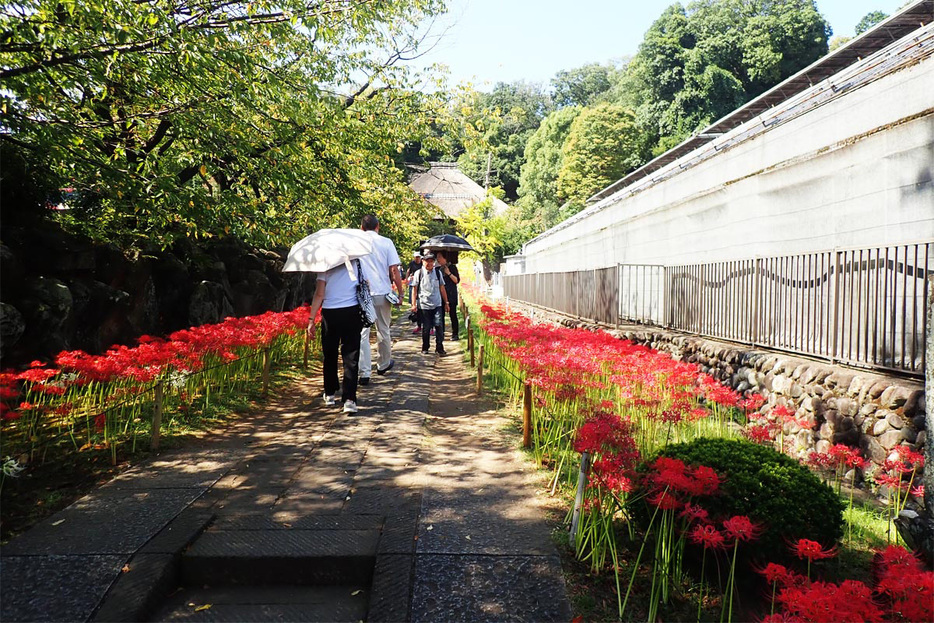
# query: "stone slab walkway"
416,509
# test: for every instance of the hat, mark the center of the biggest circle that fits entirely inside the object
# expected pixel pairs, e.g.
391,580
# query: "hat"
416,254
428,256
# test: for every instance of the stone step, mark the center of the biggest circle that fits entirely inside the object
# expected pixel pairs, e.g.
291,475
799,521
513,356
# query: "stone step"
276,603
281,557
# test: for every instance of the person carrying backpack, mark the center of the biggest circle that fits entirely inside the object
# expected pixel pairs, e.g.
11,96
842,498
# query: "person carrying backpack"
432,302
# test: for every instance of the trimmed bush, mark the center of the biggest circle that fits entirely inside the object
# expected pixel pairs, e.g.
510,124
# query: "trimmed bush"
786,498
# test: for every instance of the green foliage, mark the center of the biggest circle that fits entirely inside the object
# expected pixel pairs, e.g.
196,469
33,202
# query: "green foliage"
505,119
771,488
869,20
178,119
581,86
538,207
603,144
698,63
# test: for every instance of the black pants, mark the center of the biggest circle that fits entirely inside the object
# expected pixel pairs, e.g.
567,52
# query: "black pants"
455,326
341,329
433,318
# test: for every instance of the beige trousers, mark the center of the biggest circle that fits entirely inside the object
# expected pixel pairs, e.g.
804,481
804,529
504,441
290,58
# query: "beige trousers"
383,339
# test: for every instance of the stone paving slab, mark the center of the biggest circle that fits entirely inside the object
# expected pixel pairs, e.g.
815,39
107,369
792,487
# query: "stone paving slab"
138,589
311,522
477,589
293,604
176,473
391,590
109,521
55,588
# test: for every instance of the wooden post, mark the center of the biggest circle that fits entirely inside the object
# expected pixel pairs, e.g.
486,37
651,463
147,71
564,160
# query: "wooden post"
480,372
266,363
305,359
156,418
470,345
527,415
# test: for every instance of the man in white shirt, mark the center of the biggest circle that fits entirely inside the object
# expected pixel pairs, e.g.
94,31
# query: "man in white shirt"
381,268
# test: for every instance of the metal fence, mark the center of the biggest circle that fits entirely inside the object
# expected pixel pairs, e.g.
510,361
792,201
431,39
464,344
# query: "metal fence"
862,307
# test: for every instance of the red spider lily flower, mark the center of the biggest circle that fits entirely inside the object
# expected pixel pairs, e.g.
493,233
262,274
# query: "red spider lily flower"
740,528
918,492
848,602
664,501
812,550
36,375
707,536
782,617
894,556
707,479
752,403
906,454
781,575
694,513
890,481
26,406
760,433
52,390
906,584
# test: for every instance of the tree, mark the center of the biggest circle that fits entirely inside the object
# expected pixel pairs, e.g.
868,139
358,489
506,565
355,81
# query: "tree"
217,117
580,86
869,20
506,118
698,64
602,146
538,190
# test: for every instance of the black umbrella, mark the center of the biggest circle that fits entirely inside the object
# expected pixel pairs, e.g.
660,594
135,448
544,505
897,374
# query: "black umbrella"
446,242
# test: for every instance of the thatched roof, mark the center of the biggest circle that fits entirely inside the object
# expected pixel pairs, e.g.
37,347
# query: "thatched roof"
443,185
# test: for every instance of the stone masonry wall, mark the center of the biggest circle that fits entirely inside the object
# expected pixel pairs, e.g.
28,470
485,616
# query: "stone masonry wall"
873,412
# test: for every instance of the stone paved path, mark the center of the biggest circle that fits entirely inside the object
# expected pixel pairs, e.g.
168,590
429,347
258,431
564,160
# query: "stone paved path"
416,509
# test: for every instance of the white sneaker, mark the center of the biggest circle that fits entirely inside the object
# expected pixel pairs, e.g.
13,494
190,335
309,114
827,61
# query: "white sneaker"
350,406
330,401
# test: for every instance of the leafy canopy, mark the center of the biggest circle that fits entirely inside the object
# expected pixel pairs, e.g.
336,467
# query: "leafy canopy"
215,117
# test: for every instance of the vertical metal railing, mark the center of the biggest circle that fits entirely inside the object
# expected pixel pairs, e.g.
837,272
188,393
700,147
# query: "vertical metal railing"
863,307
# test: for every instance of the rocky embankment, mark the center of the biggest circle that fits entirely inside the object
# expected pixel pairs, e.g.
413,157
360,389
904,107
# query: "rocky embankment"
59,291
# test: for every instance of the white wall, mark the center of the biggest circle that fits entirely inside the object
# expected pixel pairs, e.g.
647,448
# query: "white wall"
854,172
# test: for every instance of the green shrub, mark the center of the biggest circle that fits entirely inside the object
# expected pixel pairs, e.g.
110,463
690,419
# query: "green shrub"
786,498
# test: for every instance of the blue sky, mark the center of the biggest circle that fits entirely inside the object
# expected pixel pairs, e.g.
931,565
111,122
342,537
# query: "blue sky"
490,41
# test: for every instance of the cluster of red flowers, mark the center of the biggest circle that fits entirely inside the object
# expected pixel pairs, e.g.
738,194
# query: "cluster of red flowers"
765,427
839,456
184,350
898,473
670,483
608,439
905,585
904,591
733,530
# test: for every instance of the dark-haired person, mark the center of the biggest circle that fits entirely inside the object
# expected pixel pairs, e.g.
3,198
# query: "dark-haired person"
428,288
381,269
447,262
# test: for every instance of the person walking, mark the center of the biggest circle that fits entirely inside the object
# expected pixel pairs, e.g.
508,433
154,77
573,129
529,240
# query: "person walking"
432,301
381,268
336,297
452,277
414,266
